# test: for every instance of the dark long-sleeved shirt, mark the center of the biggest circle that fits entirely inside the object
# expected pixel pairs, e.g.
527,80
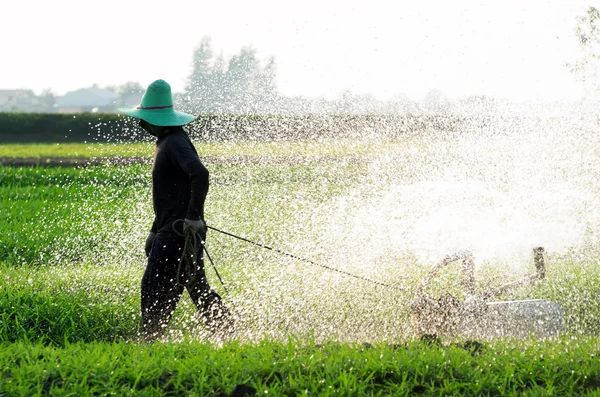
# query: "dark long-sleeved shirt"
179,181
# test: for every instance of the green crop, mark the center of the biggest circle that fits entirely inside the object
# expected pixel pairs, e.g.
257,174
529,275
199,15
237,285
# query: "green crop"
71,261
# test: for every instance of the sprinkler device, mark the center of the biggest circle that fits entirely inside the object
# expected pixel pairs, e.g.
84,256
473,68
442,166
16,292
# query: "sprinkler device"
477,316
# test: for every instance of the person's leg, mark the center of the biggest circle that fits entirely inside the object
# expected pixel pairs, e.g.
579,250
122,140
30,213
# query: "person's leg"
160,292
213,311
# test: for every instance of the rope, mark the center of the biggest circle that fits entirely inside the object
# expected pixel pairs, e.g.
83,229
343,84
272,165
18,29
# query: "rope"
216,271
308,260
188,258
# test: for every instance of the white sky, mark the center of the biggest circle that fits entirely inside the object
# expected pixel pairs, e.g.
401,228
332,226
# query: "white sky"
513,49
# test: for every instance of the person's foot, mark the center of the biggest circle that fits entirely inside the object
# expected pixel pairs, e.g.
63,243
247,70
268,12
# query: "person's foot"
221,323
225,332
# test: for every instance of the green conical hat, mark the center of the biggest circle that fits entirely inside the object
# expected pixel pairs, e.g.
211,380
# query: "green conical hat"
157,107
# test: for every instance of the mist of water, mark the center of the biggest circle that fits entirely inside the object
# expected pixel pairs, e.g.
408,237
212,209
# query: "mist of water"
497,185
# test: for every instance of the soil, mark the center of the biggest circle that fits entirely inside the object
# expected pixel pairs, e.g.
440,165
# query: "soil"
69,161
230,160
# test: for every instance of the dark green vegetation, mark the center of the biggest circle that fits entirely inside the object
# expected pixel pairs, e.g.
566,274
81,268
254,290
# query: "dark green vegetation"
94,127
71,260
51,127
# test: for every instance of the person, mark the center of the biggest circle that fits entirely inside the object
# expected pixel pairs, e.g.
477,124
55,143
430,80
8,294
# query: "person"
179,188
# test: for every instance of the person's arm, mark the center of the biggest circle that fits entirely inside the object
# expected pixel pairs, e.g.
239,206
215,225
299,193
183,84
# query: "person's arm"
189,162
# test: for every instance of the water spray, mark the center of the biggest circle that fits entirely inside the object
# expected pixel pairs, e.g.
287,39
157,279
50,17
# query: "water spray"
189,260
476,316
308,260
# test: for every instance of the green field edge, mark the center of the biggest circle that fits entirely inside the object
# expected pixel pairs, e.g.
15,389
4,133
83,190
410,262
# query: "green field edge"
88,151
294,368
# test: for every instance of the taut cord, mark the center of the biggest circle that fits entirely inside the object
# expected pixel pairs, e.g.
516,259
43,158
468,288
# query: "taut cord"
307,260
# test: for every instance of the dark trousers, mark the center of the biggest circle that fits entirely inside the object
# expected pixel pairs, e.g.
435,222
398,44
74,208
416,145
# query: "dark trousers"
161,290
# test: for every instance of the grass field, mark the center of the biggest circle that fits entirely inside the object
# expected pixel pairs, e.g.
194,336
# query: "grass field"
71,260
228,149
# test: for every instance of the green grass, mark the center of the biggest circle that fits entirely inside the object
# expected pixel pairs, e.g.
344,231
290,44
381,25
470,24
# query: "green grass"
85,150
211,149
66,304
301,368
71,261
49,215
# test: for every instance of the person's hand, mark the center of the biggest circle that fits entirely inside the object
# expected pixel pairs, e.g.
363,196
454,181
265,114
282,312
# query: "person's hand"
149,242
193,226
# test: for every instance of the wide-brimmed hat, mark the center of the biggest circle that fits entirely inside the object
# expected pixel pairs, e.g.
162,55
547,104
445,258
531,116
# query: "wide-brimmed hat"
157,107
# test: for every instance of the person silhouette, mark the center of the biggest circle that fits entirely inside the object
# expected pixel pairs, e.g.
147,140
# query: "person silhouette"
179,188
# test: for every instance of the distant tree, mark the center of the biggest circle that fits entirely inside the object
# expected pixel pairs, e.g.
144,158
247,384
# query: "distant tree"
346,104
477,104
435,101
266,85
47,100
239,85
587,67
399,104
241,80
130,87
201,85
128,92
219,100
